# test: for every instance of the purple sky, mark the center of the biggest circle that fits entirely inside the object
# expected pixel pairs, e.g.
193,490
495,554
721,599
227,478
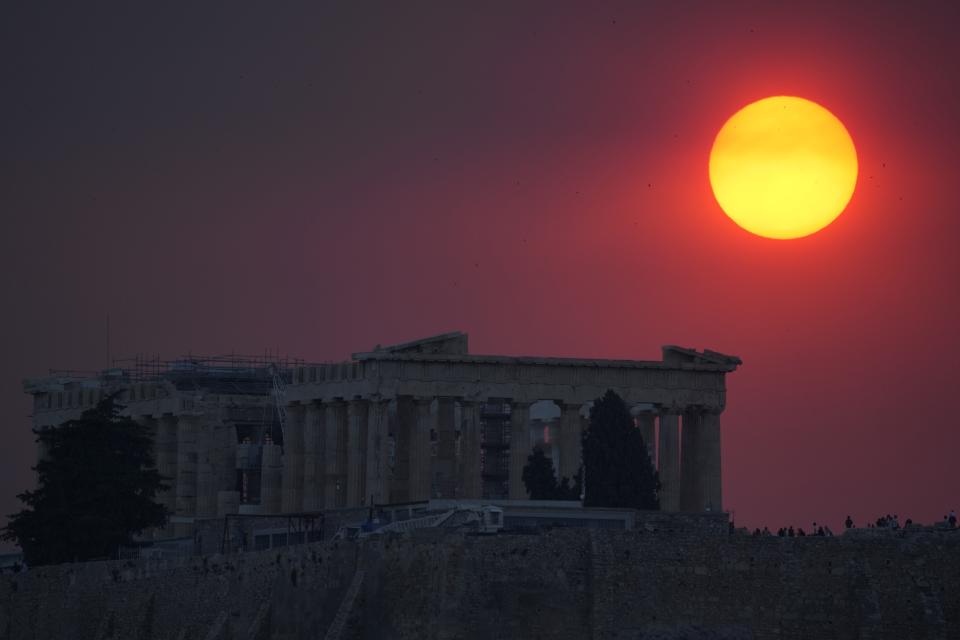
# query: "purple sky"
320,180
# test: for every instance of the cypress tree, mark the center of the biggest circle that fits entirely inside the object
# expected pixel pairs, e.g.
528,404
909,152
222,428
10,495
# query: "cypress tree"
538,476
617,468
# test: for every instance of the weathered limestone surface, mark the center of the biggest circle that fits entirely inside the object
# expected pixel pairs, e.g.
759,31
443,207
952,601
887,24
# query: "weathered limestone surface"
691,458
335,453
270,491
406,430
186,486
206,494
710,461
523,379
571,428
519,447
647,422
377,464
313,457
166,452
357,452
227,502
440,372
445,464
293,460
670,579
470,480
420,458
669,460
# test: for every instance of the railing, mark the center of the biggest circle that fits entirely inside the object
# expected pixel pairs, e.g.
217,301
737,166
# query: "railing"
402,526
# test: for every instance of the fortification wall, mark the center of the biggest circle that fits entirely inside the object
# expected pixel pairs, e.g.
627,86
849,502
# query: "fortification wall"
613,584
251,595
567,583
856,586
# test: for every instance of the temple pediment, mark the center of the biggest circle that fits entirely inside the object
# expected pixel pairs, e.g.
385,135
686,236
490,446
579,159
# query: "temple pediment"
453,343
675,355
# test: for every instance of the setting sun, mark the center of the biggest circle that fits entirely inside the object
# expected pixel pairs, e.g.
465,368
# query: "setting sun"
783,167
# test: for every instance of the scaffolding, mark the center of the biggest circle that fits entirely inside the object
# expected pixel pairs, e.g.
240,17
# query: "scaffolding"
233,373
495,436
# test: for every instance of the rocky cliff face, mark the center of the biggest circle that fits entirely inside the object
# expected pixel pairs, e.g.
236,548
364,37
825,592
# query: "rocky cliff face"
568,583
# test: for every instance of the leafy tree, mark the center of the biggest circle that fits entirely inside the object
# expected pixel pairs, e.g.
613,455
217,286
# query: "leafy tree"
618,470
96,489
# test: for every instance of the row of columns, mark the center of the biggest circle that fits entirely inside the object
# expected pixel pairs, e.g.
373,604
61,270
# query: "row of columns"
688,459
198,458
354,442
337,454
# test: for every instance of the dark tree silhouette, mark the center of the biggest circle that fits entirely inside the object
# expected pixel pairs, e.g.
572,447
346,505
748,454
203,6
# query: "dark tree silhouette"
618,471
96,489
538,476
541,484
570,491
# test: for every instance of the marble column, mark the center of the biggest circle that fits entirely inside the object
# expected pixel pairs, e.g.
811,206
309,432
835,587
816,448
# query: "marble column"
186,491
691,454
378,452
646,422
270,479
216,463
167,463
228,502
406,429
712,489
335,455
151,430
223,459
669,460
293,459
571,429
519,448
445,464
356,470
206,494
471,483
420,455
313,467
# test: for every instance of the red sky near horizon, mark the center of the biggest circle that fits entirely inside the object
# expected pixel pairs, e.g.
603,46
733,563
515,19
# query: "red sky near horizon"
320,180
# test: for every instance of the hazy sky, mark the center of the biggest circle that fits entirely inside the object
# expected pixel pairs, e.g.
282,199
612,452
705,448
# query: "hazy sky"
228,177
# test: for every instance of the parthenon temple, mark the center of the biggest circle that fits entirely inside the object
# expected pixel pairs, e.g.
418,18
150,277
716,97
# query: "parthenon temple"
414,421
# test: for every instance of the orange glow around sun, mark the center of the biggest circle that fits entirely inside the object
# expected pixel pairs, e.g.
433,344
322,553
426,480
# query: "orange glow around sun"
783,167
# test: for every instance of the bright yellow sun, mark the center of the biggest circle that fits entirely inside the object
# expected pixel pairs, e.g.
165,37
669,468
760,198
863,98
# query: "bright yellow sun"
783,167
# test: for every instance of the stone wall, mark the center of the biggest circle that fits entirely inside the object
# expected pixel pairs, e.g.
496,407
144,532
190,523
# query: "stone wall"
612,584
682,524
565,583
254,595
857,586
